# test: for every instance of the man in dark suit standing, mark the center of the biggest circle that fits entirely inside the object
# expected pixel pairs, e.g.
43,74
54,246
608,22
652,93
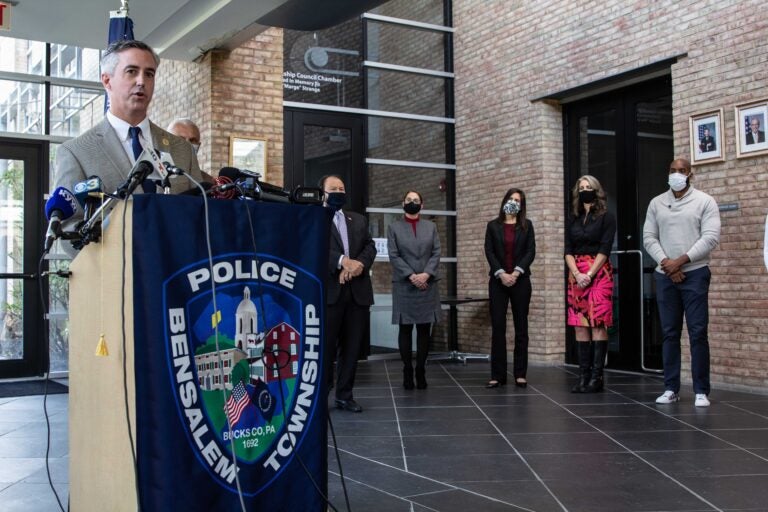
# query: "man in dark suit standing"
110,149
349,293
754,135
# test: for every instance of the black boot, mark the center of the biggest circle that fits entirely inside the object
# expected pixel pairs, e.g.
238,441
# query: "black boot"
422,351
585,367
408,377
404,345
598,362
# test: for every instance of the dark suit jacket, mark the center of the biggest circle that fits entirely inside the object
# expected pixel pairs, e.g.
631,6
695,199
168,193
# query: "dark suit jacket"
751,139
525,246
361,248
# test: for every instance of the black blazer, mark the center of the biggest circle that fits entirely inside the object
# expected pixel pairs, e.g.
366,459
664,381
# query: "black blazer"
525,246
361,248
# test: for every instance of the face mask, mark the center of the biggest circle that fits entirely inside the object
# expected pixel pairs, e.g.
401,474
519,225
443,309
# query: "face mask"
511,207
196,147
336,200
412,208
677,181
587,196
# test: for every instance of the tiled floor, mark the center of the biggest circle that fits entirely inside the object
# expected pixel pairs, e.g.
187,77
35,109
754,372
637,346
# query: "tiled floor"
457,446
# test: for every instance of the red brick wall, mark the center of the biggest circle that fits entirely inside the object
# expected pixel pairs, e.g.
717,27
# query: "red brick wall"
508,53
236,93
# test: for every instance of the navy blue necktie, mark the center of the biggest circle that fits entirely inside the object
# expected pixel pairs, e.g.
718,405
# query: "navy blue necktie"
135,132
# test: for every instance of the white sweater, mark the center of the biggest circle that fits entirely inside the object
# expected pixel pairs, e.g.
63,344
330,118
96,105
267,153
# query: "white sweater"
686,225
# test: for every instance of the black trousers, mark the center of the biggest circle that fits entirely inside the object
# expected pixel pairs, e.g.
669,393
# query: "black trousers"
345,328
500,296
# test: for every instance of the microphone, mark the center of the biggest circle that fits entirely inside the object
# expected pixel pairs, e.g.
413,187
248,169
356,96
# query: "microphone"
88,194
139,172
60,206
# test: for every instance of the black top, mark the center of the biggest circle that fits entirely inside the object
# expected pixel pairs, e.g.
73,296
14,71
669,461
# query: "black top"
525,246
591,237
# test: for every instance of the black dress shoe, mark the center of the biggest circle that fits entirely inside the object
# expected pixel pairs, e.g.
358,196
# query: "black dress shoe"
521,382
348,405
494,384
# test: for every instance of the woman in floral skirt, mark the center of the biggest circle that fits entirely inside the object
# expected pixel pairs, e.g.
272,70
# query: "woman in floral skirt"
588,242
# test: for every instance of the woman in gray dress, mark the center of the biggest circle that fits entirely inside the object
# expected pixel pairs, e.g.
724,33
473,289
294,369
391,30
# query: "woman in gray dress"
414,252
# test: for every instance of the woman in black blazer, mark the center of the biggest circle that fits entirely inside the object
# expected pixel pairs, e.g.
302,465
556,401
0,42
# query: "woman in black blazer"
510,247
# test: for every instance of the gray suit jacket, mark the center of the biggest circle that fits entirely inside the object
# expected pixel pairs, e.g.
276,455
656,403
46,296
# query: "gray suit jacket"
409,254
99,152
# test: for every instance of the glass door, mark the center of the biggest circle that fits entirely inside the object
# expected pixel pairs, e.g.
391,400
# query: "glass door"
22,337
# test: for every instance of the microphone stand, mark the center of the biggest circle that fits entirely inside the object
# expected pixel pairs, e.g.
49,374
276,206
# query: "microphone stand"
90,231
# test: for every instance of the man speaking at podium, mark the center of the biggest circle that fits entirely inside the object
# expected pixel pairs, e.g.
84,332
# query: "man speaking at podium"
109,149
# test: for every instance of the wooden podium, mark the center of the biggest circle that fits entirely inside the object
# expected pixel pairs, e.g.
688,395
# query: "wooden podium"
101,471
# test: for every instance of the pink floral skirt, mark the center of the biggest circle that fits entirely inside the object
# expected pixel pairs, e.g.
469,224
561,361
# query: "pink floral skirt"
591,306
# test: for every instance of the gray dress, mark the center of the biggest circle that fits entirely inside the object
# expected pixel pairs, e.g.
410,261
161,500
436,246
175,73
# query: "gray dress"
411,254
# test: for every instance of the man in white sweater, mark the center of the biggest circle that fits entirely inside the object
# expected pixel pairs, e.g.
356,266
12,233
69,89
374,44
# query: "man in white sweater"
682,227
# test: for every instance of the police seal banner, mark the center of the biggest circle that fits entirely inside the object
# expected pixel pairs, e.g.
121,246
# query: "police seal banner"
229,376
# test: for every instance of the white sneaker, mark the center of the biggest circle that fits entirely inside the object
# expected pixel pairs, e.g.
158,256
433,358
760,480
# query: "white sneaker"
701,400
670,396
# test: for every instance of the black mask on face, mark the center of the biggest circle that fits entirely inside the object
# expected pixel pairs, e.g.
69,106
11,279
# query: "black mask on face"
412,208
336,200
587,196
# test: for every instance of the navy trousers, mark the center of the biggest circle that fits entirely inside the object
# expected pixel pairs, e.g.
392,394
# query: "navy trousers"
689,298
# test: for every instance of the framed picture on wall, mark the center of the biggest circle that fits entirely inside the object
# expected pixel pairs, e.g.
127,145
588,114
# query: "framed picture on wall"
248,153
706,135
751,119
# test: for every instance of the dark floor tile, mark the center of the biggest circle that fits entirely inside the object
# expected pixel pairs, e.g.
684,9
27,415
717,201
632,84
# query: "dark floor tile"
535,424
370,446
755,406
585,443
717,419
445,413
742,492
361,427
608,490
369,499
610,410
455,468
527,494
454,427
672,440
424,446
743,438
462,501
385,477
581,466
707,463
645,423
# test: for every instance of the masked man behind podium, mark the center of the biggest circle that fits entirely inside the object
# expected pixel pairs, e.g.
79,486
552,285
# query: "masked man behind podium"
349,293
108,149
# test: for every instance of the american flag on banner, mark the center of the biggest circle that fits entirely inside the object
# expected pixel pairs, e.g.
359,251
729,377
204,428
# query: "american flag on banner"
236,403
120,29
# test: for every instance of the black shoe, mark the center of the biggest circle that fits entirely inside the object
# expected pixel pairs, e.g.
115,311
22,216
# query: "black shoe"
348,405
494,384
521,382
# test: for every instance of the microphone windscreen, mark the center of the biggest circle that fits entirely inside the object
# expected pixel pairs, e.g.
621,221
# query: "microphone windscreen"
62,200
231,172
84,188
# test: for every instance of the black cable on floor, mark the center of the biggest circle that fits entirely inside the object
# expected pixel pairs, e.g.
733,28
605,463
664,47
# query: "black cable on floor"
338,461
46,324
